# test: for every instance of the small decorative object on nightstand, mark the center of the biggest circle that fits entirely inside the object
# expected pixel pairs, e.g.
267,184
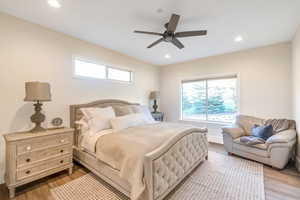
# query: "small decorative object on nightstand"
158,116
31,156
57,122
37,92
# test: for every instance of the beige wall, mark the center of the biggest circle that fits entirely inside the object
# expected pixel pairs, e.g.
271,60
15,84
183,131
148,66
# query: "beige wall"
264,79
296,87
30,52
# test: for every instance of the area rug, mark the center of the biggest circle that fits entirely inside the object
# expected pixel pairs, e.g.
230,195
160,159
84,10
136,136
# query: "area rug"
222,177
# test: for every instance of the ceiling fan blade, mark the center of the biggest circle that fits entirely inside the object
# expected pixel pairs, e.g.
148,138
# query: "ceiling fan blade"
177,43
149,33
173,23
191,33
155,43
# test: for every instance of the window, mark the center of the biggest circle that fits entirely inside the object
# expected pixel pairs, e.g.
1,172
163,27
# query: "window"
88,69
92,70
120,75
210,99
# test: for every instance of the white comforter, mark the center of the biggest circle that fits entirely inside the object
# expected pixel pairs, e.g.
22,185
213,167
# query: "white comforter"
125,150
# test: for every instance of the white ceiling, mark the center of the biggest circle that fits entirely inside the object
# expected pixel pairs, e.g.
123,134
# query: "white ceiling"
110,23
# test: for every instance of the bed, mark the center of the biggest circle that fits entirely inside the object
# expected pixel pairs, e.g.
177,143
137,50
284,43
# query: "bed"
163,168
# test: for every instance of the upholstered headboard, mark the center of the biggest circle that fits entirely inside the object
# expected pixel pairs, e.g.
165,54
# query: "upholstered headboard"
76,114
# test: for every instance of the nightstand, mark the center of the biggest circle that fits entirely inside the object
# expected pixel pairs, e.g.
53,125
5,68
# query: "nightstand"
31,156
158,116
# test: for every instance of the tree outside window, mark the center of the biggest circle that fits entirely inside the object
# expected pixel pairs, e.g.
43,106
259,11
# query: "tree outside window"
210,99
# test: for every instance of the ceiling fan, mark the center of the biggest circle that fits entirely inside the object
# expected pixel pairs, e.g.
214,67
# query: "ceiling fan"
170,36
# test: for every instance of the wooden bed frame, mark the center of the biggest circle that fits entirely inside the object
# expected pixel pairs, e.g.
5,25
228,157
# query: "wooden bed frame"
153,160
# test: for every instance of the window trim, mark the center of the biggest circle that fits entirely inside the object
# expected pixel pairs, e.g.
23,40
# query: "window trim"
209,77
107,66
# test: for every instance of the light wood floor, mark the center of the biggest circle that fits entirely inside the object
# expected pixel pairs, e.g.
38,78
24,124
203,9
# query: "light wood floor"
279,185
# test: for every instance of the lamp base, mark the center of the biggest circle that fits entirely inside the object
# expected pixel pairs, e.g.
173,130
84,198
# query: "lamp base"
155,106
37,129
38,118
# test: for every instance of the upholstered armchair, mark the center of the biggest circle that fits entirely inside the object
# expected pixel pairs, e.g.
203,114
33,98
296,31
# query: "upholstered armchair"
276,151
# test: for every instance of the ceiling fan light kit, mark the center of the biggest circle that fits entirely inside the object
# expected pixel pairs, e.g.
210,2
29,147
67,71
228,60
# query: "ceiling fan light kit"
170,36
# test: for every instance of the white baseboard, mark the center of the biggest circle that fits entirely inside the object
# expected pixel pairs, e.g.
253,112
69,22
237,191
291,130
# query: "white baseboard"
298,163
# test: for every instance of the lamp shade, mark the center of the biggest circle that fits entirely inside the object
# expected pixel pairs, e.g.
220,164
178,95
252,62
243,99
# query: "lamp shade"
154,95
37,91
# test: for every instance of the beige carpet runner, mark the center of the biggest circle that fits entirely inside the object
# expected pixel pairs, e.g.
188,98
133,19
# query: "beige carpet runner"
222,177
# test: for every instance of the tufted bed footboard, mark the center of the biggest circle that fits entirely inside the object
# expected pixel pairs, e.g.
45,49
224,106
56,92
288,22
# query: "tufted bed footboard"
170,164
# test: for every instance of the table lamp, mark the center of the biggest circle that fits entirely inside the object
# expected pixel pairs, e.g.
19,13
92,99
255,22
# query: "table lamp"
154,95
37,92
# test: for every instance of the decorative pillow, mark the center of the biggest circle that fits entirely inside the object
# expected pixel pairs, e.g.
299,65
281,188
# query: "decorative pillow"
123,110
98,118
131,109
128,121
263,132
145,110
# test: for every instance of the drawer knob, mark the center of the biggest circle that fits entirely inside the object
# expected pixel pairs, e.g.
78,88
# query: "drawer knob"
61,151
28,160
61,161
62,141
27,172
28,148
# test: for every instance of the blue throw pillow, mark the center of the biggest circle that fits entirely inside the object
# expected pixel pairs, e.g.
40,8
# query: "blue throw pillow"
263,132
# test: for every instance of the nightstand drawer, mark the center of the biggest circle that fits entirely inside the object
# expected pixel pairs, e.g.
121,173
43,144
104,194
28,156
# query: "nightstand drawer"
43,143
32,157
43,166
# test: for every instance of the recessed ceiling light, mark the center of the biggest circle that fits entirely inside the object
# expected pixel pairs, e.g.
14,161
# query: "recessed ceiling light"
54,3
239,39
167,56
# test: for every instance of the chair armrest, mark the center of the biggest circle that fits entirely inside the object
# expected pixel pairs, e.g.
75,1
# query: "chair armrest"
282,137
233,131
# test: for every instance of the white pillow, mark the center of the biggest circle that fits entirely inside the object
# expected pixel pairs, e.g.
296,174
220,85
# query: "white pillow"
98,118
128,121
145,110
